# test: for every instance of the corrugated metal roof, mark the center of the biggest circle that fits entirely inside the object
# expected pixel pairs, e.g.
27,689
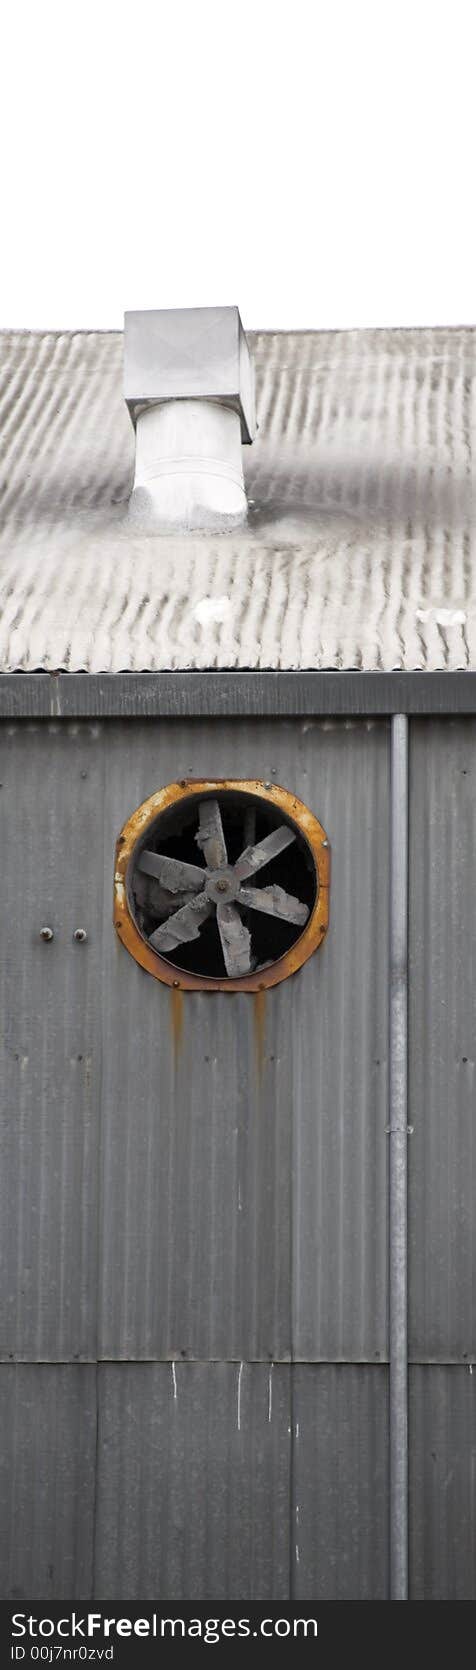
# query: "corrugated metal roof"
358,552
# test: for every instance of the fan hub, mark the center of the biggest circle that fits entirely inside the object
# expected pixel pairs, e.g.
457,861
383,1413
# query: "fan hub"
222,885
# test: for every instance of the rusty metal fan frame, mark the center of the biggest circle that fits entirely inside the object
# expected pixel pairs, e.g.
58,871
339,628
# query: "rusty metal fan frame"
217,886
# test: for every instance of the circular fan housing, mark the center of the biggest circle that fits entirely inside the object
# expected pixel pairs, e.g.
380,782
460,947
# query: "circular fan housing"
222,885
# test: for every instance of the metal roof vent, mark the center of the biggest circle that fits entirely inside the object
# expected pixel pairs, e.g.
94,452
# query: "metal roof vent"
222,884
189,387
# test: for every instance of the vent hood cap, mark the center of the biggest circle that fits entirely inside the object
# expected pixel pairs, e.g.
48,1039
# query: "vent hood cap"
194,353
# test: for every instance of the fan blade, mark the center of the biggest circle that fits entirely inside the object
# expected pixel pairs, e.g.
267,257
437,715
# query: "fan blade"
253,858
235,941
182,927
274,902
156,899
174,875
210,836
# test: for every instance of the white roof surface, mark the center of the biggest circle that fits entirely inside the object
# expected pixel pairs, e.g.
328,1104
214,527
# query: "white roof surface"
359,551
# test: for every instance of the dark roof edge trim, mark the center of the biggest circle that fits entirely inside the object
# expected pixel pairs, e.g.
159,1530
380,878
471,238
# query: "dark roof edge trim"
240,695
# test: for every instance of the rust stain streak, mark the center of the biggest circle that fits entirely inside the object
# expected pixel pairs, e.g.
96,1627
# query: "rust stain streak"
176,1019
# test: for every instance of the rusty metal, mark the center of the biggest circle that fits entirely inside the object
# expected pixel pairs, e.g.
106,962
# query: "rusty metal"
307,825
176,999
259,1002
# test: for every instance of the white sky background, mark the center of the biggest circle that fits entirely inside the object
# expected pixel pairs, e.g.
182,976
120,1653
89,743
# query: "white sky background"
314,162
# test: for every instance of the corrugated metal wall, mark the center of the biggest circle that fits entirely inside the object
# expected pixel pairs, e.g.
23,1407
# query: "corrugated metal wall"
194,1332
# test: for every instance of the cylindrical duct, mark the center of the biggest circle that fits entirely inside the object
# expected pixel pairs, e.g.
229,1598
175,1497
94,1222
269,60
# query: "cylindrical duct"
188,471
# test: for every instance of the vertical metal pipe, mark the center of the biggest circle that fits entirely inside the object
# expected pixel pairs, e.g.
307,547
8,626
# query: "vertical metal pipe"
398,1134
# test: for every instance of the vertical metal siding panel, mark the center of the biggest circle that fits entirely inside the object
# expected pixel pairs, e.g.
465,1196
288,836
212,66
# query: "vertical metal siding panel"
339,1532
205,1158
242,1209
50,807
442,1039
443,1483
47,1480
193,1481
196,1201
195,1215
338,1023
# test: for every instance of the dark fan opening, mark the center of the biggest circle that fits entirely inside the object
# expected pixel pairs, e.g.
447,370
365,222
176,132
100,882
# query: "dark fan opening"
229,933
